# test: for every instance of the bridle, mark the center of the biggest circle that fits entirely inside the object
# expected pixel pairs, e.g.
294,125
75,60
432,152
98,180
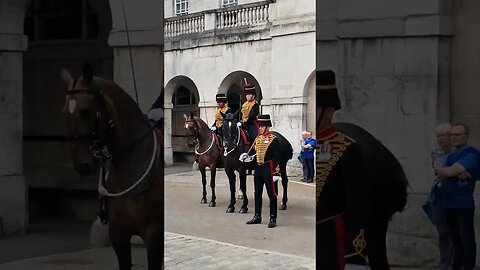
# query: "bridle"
102,130
103,125
196,138
225,146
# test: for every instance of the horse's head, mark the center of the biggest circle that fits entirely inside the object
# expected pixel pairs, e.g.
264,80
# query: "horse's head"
86,114
192,130
230,130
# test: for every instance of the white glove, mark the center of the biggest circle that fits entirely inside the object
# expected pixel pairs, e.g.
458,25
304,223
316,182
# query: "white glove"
213,128
239,124
244,157
276,178
355,267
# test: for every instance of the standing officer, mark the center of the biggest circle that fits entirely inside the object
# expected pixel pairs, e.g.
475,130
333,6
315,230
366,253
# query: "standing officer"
267,171
250,110
341,187
222,109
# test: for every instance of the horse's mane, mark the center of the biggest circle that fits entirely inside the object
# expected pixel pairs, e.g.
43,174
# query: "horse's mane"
201,123
123,103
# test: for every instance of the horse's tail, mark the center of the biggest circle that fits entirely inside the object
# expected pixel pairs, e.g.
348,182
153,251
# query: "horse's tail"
397,188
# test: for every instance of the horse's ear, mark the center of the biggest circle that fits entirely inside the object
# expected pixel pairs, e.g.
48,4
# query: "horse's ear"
185,116
192,115
235,115
66,76
87,74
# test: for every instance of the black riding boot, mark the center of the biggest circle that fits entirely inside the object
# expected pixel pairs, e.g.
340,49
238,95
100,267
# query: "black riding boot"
257,219
273,213
273,222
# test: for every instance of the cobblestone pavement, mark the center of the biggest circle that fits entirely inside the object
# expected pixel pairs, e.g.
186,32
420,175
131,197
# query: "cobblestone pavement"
181,252
187,252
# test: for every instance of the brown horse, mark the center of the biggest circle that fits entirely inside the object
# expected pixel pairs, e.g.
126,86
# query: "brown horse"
106,127
207,149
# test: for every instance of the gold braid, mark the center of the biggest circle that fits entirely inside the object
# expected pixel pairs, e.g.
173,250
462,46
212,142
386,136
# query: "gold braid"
340,142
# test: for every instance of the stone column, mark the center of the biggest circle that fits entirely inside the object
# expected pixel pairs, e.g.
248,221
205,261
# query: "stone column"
13,191
145,29
168,150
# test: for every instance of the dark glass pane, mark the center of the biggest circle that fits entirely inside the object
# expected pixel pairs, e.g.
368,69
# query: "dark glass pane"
182,96
57,7
64,27
29,27
92,26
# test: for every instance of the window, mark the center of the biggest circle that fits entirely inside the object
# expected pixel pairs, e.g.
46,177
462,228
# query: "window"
181,7
61,20
183,96
228,3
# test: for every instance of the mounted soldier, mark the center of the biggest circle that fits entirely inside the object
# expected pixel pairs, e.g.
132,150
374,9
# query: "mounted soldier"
250,110
220,112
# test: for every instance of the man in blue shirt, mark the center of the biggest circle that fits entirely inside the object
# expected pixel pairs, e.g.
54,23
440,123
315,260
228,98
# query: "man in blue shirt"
458,175
308,153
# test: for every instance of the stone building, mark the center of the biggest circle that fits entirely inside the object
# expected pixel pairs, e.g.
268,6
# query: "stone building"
37,39
210,46
403,67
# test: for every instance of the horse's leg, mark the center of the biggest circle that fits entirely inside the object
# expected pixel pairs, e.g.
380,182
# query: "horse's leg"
121,244
204,184
243,188
154,244
284,185
213,173
231,179
377,248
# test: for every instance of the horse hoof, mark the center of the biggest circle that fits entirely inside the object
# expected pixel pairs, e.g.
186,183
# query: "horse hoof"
203,201
283,207
212,204
230,209
243,210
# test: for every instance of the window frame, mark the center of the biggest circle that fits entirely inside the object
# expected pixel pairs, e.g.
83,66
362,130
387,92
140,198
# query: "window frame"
180,11
229,3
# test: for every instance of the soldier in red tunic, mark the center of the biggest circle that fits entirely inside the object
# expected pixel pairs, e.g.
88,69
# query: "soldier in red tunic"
342,189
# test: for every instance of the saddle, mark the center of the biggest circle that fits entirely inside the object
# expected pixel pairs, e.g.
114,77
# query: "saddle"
245,136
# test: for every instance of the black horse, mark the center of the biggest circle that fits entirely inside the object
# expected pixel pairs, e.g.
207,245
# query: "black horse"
388,188
233,146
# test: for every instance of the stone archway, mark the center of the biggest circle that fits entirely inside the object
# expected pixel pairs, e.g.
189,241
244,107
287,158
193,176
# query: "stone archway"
60,34
310,108
182,97
232,85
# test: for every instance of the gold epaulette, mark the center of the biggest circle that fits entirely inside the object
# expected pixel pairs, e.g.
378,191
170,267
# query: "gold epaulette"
337,143
218,116
246,108
261,146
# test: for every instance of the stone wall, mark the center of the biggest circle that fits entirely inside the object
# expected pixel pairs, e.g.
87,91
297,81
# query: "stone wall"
13,191
393,65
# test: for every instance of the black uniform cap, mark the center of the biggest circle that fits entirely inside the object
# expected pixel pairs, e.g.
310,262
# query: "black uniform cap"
264,120
221,98
327,93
